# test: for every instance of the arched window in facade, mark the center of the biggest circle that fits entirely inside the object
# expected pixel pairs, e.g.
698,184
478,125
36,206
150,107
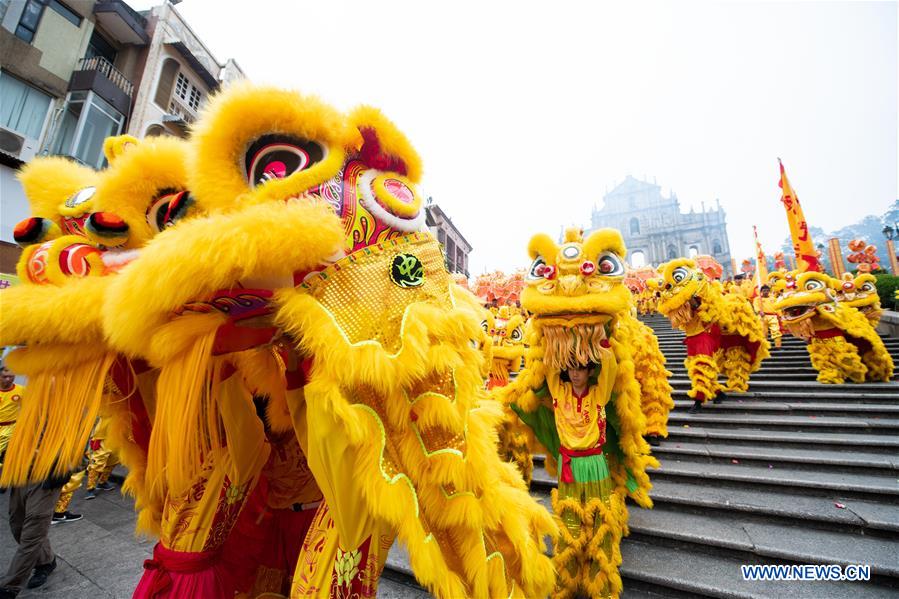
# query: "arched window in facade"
693,251
166,83
638,259
635,226
716,247
672,252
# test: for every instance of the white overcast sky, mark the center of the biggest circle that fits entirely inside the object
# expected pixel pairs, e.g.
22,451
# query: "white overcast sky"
525,113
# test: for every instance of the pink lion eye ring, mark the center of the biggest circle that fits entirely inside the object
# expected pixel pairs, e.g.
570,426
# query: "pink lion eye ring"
588,268
549,272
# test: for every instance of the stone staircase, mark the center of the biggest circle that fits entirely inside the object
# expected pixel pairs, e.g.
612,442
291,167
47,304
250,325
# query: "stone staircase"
792,472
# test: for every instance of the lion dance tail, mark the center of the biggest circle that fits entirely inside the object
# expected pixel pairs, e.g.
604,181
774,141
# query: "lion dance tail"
736,365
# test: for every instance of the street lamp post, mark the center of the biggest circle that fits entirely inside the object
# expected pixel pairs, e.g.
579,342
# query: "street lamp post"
889,232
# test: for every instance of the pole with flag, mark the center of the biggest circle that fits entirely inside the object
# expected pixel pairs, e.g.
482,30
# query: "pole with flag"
806,255
761,265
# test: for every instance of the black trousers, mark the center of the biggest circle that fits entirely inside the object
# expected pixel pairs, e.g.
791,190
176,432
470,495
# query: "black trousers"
30,513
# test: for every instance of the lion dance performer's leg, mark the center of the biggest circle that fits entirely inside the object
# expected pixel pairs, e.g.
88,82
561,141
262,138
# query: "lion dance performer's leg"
836,360
774,332
591,520
68,490
102,462
703,372
736,365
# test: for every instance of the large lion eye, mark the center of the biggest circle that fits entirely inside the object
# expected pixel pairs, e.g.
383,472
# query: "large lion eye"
537,269
167,207
516,334
813,285
868,287
485,326
609,265
679,274
279,156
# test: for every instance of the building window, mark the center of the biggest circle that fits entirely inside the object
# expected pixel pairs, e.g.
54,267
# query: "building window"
692,251
99,46
188,92
67,13
86,121
635,226
23,109
194,99
31,17
34,10
672,252
716,247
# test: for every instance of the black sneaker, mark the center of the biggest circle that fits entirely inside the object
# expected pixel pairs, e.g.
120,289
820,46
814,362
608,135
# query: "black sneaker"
720,397
7,593
89,494
107,486
40,575
65,516
653,440
697,405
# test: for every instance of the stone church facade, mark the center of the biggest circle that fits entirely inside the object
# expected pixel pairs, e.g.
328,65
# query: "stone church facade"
654,228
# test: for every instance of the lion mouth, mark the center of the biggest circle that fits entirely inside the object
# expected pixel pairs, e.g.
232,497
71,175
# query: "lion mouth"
794,313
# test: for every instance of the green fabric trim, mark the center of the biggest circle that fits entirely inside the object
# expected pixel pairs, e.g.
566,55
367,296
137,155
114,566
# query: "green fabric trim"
631,482
613,425
588,469
543,422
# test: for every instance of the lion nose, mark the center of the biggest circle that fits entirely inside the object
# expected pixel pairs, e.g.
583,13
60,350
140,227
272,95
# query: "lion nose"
107,229
571,285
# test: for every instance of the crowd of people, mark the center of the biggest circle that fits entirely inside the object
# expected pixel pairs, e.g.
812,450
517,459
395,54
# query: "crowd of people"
258,324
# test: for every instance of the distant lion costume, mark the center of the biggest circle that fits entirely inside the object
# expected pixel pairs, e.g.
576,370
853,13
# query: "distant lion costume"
724,334
841,341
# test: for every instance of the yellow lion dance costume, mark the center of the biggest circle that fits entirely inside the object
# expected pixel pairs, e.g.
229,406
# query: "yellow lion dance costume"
860,293
85,227
581,315
507,329
841,341
314,245
724,334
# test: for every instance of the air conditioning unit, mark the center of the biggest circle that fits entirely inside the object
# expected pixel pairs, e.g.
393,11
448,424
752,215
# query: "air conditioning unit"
17,145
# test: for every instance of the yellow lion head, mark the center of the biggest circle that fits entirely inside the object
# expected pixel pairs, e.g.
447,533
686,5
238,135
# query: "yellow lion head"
805,295
682,288
575,291
507,331
861,294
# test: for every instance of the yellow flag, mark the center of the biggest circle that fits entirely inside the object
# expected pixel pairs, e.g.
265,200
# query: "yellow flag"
806,255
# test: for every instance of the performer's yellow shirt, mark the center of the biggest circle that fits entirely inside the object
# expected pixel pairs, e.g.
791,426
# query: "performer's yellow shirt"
10,402
577,418
765,305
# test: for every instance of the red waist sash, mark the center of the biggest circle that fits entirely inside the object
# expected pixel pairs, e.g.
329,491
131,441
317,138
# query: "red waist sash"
167,561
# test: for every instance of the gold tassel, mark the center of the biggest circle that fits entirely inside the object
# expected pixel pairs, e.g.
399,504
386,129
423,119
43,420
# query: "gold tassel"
59,408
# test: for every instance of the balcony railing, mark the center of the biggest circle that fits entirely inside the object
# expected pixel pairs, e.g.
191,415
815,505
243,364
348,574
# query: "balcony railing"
101,65
179,108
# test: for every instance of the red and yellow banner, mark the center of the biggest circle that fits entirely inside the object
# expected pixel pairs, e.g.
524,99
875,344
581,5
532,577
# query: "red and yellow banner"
806,255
